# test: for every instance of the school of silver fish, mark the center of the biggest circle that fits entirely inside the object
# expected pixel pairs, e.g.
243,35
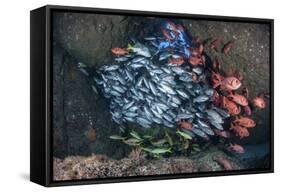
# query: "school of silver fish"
145,87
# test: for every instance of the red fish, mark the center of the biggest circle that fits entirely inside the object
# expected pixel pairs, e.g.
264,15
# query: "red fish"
203,58
231,107
91,134
215,43
224,134
119,51
194,76
259,102
237,98
216,79
235,73
230,83
245,92
216,98
172,26
236,148
180,28
224,163
195,52
228,46
216,63
193,60
247,110
244,122
196,40
226,83
167,35
185,124
239,131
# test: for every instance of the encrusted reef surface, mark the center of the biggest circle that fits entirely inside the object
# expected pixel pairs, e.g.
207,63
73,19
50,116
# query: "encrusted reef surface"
99,166
81,120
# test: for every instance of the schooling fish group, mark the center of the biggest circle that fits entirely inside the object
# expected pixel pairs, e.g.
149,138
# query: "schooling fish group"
155,83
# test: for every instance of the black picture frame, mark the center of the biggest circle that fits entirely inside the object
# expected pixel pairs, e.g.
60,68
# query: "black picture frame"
41,94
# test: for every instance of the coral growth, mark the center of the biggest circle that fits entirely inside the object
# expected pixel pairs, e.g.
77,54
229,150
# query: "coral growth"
98,166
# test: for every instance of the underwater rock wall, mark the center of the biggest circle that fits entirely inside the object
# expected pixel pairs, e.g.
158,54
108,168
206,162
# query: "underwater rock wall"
81,122
88,37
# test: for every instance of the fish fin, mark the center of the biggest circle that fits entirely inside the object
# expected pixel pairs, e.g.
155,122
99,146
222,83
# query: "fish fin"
216,84
129,46
169,150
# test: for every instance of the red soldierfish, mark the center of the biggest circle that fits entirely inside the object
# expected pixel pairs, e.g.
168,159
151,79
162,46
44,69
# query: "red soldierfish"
236,148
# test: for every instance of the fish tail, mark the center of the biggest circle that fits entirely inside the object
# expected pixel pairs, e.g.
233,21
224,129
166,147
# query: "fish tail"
129,46
169,150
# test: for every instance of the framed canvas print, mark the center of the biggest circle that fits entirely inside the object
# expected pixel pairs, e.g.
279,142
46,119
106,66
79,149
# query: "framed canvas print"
119,95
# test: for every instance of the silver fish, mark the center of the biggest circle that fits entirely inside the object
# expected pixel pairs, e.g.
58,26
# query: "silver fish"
168,118
128,105
184,116
202,124
222,112
168,124
213,115
139,81
175,100
130,114
129,75
178,70
146,83
168,89
185,78
121,79
167,70
140,49
119,89
199,133
157,120
216,124
138,59
150,38
111,67
115,93
130,119
162,106
197,70
133,109
183,94
143,121
116,120
84,71
208,131
152,88
201,98
167,78
136,65
156,71
209,92
148,112
176,56
121,59
144,89
164,56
